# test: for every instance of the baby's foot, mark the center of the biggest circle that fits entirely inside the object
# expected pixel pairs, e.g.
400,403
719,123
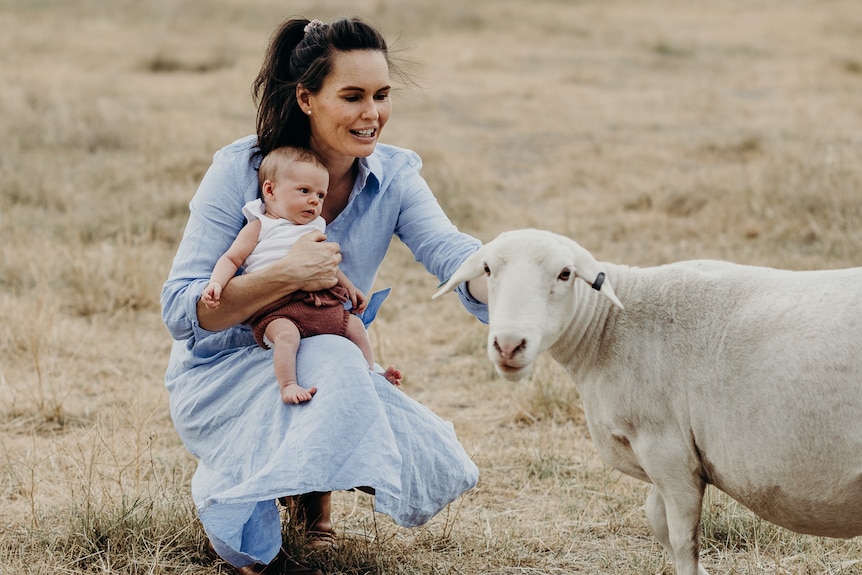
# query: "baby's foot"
392,375
292,392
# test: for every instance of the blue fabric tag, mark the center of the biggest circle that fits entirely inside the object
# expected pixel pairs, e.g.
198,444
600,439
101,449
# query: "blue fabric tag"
374,303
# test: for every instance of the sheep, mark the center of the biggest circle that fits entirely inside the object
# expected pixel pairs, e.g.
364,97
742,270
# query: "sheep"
746,378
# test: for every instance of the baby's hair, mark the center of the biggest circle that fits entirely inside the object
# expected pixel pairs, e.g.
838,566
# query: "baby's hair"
287,154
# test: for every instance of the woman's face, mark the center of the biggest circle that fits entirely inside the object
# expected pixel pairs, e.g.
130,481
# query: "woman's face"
353,105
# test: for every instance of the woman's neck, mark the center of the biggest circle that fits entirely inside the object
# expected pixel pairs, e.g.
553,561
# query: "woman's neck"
341,181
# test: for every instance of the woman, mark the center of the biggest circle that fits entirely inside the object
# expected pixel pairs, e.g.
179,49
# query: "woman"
325,87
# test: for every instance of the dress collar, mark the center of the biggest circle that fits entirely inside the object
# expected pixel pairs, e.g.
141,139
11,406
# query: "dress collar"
370,174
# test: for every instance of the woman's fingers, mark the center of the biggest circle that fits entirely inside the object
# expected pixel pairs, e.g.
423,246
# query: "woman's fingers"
315,261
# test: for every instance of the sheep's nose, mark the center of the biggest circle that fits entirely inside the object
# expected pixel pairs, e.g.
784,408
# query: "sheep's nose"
509,346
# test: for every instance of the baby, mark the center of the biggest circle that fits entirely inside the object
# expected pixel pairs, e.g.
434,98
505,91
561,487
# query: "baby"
293,184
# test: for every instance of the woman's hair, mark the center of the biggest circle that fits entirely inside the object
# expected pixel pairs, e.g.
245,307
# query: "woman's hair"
285,154
301,52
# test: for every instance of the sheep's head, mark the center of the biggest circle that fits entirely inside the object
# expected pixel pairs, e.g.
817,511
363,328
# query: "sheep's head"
531,291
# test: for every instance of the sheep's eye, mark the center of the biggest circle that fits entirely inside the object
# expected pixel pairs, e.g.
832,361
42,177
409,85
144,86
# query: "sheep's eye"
565,275
487,270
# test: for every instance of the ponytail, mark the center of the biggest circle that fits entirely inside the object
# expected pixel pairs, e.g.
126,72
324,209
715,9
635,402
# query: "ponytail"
279,120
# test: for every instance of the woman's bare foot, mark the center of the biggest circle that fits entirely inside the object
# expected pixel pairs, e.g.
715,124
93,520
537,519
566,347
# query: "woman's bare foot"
392,375
292,392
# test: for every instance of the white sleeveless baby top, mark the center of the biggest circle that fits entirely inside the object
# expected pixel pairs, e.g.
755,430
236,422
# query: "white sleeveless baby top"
277,236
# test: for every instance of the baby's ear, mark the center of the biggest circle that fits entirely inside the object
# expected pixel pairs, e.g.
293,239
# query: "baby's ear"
266,188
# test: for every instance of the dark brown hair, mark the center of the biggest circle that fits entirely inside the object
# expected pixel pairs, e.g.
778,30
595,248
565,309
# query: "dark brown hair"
296,56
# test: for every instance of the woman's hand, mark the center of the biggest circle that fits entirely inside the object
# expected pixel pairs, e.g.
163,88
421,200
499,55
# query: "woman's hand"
478,288
312,262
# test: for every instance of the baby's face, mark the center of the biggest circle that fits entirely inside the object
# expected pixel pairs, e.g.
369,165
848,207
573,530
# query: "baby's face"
297,192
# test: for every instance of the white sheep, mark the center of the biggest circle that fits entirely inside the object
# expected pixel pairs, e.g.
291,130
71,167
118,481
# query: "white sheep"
747,378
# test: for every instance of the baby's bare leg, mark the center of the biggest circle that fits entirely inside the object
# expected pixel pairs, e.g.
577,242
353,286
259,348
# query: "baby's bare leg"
356,333
285,343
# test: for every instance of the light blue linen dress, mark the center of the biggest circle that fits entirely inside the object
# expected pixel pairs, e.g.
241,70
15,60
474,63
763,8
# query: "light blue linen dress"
358,430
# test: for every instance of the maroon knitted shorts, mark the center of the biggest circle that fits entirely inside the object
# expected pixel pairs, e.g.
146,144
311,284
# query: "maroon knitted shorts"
313,313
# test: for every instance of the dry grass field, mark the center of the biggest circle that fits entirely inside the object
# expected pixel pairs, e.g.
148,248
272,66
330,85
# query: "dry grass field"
649,131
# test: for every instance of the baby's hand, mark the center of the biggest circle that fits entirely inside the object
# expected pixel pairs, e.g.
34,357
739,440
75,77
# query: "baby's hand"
211,295
360,302
356,297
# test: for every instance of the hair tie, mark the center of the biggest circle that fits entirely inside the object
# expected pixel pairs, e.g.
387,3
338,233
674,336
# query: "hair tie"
312,25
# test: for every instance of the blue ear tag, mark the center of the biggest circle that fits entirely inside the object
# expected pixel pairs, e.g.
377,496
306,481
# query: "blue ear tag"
374,303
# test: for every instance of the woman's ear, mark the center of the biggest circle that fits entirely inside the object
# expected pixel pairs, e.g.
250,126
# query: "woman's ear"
303,99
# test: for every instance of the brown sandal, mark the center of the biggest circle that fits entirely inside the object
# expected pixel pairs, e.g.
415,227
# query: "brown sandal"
318,540
281,565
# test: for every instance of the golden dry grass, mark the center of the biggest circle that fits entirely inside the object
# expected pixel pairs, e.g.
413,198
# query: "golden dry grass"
648,131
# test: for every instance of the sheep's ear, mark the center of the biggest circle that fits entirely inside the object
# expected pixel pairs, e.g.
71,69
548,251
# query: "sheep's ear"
603,286
471,268
589,270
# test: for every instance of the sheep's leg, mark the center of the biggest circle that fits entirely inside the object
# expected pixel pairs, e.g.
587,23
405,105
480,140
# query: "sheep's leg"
657,518
674,503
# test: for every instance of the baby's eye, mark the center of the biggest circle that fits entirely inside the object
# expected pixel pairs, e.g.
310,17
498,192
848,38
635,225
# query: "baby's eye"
303,190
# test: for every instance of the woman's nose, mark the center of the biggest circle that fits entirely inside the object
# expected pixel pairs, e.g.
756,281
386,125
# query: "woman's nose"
370,111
